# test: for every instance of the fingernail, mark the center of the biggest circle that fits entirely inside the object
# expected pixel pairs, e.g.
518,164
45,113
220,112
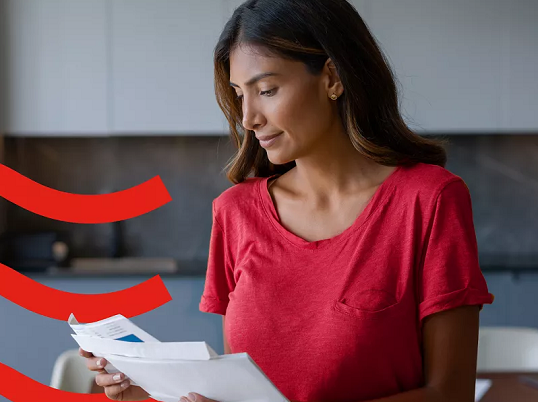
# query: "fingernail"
183,399
117,377
192,397
100,363
125,384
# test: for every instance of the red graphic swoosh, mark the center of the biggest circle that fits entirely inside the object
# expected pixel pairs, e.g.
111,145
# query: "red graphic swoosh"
77,208
18,388
58,304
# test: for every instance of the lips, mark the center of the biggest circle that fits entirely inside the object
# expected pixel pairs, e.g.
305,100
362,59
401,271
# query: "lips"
268,140
267,137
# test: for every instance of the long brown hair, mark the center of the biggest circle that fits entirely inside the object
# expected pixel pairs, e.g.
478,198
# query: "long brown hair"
311,31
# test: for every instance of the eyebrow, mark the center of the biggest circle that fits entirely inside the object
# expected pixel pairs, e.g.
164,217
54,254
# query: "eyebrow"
255,79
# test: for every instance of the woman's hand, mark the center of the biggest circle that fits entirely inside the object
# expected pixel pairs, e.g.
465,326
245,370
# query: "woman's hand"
116,386
194,397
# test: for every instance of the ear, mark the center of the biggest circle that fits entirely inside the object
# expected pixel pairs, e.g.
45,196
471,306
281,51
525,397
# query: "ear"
333,85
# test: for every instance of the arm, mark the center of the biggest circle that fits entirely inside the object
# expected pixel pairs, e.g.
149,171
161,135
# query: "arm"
227,350
450,343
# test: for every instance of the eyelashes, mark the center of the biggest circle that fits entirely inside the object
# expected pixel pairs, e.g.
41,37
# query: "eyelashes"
269,93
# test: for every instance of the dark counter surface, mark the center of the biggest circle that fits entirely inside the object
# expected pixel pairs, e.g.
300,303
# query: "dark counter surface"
188,269
516,264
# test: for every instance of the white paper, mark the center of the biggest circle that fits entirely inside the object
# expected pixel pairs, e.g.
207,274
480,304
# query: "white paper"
481,388
169,370
228,378
150,350
116,327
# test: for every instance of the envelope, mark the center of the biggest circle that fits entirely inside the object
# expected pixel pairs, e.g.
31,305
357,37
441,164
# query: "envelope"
170,370
229,378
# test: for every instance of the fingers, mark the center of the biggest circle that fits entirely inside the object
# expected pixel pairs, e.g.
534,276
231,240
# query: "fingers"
115,383
112,391
83,353
93,363
96,363
194,397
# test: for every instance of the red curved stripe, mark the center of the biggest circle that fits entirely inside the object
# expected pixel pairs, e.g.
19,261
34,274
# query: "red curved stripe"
58,304
18,388
77,208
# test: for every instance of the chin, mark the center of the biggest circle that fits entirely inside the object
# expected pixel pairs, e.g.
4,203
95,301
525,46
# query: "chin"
276,158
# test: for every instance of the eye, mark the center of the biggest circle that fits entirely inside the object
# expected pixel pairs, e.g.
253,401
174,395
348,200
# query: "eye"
268,93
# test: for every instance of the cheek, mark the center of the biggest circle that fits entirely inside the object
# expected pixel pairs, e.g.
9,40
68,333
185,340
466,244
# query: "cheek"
301,113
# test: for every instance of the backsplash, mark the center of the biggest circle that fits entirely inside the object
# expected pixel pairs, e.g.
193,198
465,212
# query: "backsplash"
190,168
500,170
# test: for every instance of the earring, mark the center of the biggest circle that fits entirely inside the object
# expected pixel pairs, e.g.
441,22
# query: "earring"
334,97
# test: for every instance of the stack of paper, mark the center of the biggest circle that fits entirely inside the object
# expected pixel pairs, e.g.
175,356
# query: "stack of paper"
169,370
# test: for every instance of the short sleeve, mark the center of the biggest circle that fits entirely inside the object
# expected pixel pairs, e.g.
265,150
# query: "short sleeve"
450,275
219,281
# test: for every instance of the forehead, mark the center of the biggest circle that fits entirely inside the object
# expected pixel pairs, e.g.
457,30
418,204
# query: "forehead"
249,60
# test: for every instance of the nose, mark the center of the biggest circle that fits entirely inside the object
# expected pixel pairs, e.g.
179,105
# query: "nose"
252,118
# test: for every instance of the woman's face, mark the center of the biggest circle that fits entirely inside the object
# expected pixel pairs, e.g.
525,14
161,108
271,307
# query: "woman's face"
287,101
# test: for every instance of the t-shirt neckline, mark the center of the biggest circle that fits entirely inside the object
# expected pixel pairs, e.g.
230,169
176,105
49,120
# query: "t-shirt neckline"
379,198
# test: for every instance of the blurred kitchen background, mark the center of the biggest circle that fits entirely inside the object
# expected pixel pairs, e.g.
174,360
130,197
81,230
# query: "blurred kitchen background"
98,96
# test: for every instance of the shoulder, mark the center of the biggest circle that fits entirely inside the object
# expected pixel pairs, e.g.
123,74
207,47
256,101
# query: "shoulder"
428,193
239,198
427,181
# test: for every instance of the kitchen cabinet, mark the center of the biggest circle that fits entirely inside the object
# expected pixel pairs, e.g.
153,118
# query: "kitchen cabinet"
162,67
101,67
463,67
138,67
446,56
54,75
520,89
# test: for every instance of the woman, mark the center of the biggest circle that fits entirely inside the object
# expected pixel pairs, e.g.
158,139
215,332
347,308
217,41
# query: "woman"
347,265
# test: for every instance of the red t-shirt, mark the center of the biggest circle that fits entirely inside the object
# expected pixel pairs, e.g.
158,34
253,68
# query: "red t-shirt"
340,319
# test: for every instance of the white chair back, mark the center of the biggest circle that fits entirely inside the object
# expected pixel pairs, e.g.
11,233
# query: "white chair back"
507,349
71,374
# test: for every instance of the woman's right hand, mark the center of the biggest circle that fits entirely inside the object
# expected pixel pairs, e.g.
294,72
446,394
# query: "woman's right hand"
116,386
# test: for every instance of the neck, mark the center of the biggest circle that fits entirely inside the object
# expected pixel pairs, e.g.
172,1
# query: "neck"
334,169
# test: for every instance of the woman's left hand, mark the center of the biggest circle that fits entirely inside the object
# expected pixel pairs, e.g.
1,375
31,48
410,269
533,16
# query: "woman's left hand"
194,397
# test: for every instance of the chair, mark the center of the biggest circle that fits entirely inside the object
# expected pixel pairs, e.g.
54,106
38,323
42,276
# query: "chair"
71,374
507,349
